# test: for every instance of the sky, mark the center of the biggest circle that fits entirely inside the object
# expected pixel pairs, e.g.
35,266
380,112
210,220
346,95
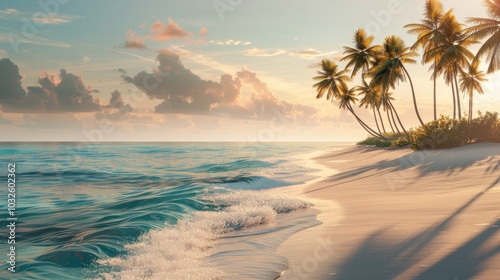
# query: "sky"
210,70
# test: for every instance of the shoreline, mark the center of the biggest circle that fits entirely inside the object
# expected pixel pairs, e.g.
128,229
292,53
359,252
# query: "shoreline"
398,214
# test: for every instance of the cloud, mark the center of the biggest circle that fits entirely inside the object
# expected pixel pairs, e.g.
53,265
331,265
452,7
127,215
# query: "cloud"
309,53
9,12
314,65
266,105
171,31
117,110
121,70
72,94
160,31
11,89
259,52
63,93
305,53
43,18
135,44
230,42
37,40
133,41
86,59
203,31
183,92
38,18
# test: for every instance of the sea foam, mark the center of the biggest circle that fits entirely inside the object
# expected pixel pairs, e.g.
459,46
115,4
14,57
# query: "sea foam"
182,251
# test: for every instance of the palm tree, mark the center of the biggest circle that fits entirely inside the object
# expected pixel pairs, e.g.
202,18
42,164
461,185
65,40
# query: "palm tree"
471,80
391,68
330,80
427,32
488,27
452,51
346,100
372,99
334,83
360,57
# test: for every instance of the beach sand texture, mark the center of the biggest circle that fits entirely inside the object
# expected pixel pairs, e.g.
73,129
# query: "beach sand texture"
399,214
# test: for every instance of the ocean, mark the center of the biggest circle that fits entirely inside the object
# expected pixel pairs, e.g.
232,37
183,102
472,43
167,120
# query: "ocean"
155,210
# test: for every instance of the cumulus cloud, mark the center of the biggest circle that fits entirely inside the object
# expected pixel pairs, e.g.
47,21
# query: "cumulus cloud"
183,92
133,41
117,110
65,92
266,105
72,94
135,44
170,31
305,54
11,89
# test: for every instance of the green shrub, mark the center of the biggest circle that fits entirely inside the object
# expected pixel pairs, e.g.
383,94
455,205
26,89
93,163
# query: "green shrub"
444,133
390,137
377,142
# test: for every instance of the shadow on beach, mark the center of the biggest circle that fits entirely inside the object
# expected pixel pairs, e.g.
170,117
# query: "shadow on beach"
426,162
383,255
379,257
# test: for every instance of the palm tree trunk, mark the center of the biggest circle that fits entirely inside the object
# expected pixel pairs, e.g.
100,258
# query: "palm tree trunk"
364,125
414,97
470,106
381,120
389,119
397,117
458,94
454,102
376,121
394,121
435,78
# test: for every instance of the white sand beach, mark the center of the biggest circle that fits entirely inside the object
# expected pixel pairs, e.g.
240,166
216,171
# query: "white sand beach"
399,214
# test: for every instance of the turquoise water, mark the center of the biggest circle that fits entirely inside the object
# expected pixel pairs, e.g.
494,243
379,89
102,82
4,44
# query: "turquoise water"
134,211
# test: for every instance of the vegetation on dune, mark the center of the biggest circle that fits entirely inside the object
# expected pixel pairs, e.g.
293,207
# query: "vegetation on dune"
446,45
444,132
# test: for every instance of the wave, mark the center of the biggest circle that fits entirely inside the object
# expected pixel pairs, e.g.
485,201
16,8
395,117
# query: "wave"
182,251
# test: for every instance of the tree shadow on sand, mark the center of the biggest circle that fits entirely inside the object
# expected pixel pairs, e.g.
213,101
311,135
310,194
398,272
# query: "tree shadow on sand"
426,162
381,257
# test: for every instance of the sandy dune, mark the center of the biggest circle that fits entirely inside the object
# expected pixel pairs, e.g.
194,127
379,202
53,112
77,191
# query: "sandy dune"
399,214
